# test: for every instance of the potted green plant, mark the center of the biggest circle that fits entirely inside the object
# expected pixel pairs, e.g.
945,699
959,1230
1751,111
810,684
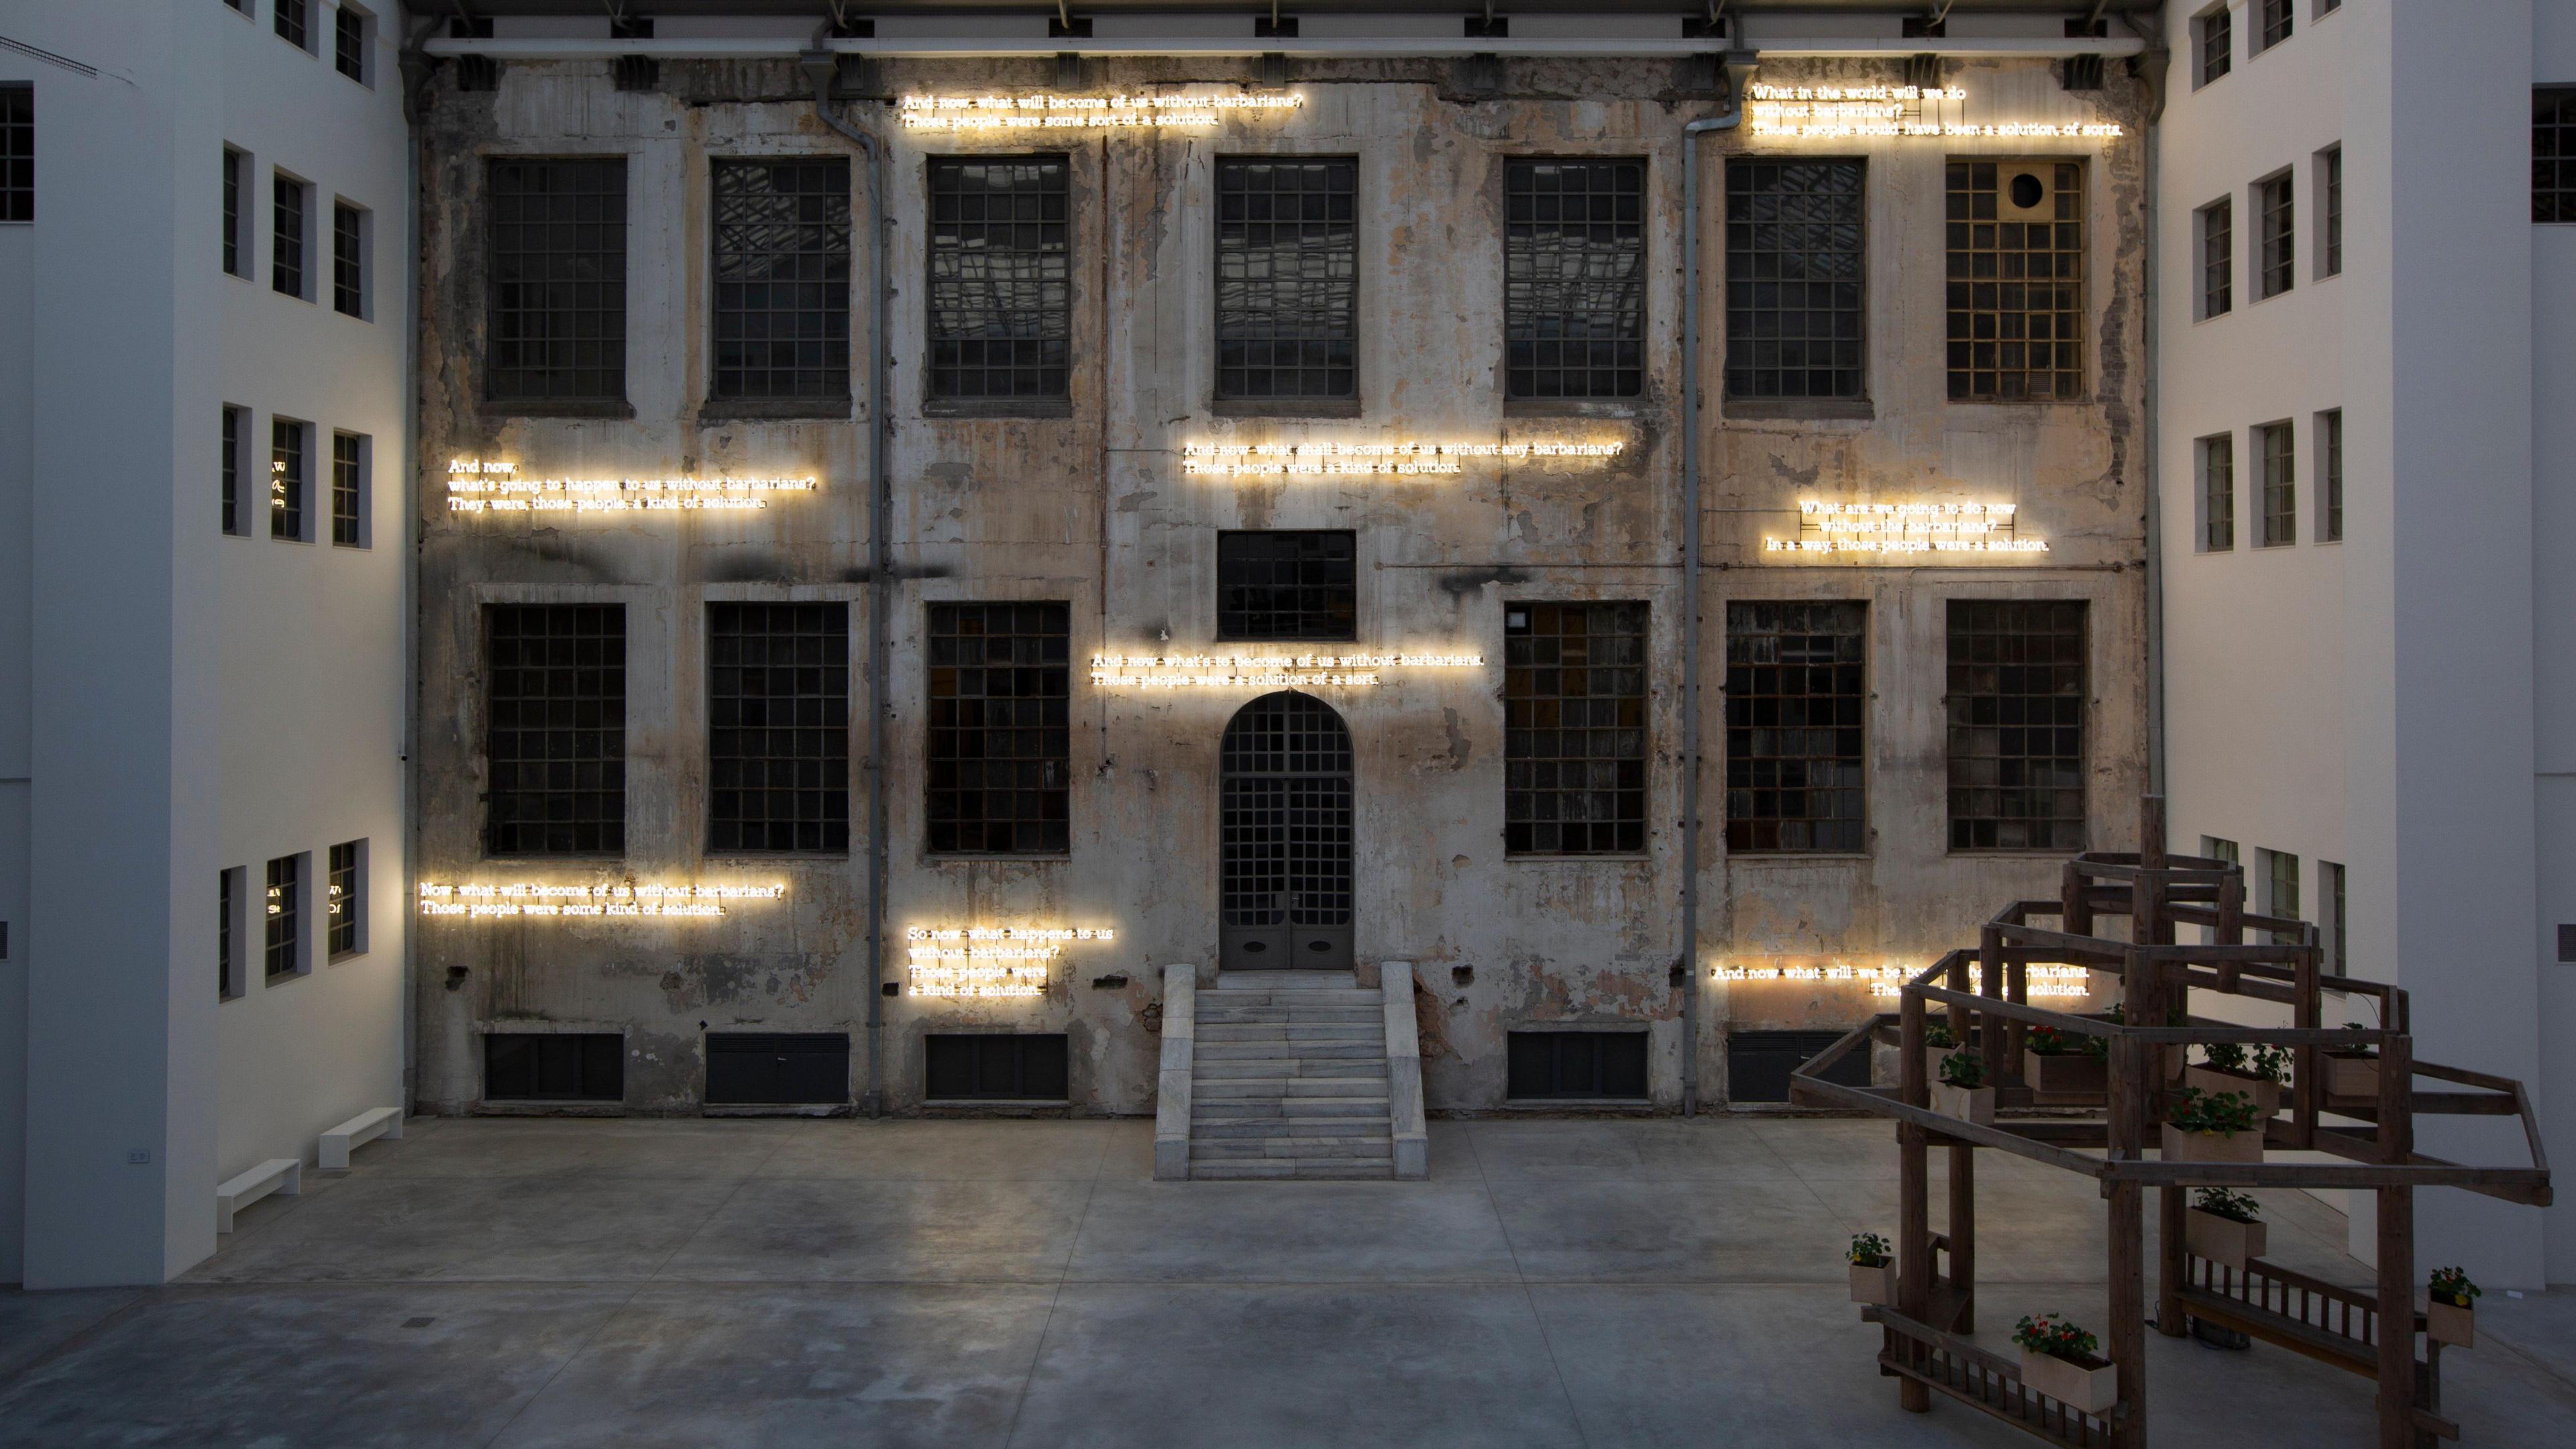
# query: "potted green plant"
2452,1316
1873,1269
1938,1042
2061,1065
2228,1067
2065,1363
2223,1227
1962,1090
2352,1071
2213,1127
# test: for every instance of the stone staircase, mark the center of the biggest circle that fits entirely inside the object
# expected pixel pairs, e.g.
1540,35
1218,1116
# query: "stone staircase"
1289,1078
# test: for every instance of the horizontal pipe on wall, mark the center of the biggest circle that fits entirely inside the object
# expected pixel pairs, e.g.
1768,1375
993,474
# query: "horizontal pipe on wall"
972,48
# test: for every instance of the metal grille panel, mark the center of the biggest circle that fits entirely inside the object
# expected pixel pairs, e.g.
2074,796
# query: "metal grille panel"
555,732
1797,693
2279,221
1287,586
2275,452
2016,711
782,279
289,479
1574,278
1286,827
348,489
1796,296
1574,728
288,202
778,727
1001,278
1000,728
2016,291
1287,279
557,326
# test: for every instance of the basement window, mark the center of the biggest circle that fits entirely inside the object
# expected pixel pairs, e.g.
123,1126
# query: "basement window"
532,1066
777,1069
1000,732
778,727
1001,279
1593,1064
1574,278
1287,278
2016,706
555,729
1758,1063
1029,1067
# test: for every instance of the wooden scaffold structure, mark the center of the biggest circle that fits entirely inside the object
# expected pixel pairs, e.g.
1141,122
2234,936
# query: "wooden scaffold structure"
2353,1097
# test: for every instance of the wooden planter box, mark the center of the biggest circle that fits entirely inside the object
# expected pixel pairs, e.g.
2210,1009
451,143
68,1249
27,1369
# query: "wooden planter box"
2450,1323
1874,1285
2181,1146
2213,1080
2223,1241
1973,1104
2069,1074
2091,1385
2351,1074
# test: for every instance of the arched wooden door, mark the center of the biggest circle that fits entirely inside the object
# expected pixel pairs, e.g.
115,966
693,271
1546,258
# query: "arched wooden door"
1286,837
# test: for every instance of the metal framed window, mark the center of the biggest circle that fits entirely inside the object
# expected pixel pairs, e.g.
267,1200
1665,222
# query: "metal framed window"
1796,278
1575,1064
2217,258
2328,7
2276,453
2217,462
17,153
1001,278
2016,290
235,420
2274,27
233,162
347,902
1574,278
348,260
348,490
283,913
1797,694
2274,210
2281,891
782,279
1000,732
290,220
778,727
290,479
554,741
2016,712
2215,32
349,52
2214,848
557,273
1287,278
2330,476
1018,1066
228,982
2553,155
294,21
2330,212
1282,585
1574,728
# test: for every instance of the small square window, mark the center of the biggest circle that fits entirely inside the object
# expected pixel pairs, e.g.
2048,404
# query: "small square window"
1287,586
294,20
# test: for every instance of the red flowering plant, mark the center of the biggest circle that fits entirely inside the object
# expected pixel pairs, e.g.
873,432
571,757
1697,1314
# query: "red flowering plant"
2054,1336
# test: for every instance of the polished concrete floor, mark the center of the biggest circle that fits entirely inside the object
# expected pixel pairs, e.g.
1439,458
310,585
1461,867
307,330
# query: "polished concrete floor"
957,1284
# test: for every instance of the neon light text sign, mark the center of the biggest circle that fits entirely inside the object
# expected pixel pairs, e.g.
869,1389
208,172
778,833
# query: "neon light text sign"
1889,980
1841,113
1260,671
1402,459
477,486
989,962
1906,528
616,901
1047,112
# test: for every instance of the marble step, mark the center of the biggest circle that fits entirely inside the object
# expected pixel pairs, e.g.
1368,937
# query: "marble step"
1219,1051
1210,1032
1210,1130
1239,1148
1293,1168
1291,1015
1206,1109
1217,1089
1220,1069
1287,981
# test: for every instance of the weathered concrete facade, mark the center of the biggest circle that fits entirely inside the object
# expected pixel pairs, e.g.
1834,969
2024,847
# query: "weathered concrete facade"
1092,509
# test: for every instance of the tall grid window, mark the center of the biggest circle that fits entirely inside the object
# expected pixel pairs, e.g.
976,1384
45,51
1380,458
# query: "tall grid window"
1796,264
1574,729
2217,258
1797,691
232,212
294,20
778,727
2016,707
348,490
2016,286
2215,33
2330,212
1287,279
290,216
17,153
1287,586
235,419
2276,453
349,53
2275,27
348,260
2281,891
2330,476
347,890
2214,848
782,279
2280,246
2217,463
290,479
2553,154
1001,278
557,325
1000,729
284,915
554,741
1574,278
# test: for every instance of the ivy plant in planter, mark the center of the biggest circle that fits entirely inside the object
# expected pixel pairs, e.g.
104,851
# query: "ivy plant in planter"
1962,1090
2213,1127
1938,1042
2230,1068
2351,1071
2452,1316
2065,1363
2063,1066
1873,1269
2224,1227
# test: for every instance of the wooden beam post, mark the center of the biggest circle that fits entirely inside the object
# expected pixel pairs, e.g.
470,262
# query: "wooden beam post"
2396,1247
1963,1232
2171,1267
2131,1067
1990,983
1914,1210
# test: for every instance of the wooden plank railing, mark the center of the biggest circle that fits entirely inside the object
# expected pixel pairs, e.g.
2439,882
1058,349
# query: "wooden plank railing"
1981,1380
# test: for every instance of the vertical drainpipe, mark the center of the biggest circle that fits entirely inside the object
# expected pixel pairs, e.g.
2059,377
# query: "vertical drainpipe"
822,71
1738,65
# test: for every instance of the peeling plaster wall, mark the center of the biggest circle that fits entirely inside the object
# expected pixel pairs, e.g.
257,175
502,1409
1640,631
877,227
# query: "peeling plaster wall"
1092,509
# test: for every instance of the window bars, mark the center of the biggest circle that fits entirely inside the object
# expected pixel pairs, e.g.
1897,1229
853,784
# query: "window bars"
1001,282
2016,289
778,727
782,279
1574,728
1574,278
2016,720
1797,698
1287,279
1284,585
557,279
1796,279
1000,731
555,729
